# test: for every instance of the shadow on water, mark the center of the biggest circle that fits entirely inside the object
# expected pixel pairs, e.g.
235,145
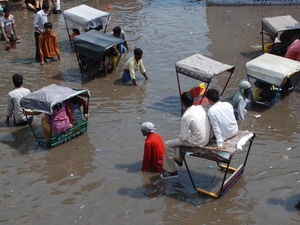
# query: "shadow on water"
179,188
251,54
15,139
131,167
24,60
65,46
70,75
168,105
290,204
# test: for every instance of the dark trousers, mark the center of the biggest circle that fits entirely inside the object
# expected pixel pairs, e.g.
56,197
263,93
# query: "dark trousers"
29,121
37,51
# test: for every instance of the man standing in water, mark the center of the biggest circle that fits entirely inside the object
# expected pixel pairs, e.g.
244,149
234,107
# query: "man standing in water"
40,18
48,45
240,100
153,149
132,65
8,29
14,108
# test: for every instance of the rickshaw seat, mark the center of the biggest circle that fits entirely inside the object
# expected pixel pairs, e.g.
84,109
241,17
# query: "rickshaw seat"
223,159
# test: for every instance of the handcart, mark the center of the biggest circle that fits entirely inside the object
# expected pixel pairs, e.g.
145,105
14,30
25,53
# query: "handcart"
277,33
205,70
224,160
274,77
92,48
43,101
87,18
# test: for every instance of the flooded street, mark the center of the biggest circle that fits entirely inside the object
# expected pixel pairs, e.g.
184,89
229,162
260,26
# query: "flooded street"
95,178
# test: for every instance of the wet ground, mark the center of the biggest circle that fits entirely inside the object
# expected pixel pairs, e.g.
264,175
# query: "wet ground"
95,178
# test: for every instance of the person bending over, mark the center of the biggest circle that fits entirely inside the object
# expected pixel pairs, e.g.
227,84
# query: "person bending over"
132,65
240,100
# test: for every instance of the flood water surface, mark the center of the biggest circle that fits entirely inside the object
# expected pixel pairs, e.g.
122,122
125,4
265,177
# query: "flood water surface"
95,178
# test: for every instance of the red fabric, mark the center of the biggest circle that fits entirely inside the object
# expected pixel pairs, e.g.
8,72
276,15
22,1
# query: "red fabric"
293,51
153,153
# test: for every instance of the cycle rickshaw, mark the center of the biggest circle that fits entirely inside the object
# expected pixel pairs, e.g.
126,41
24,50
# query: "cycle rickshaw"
274,77
206,70
44,100
277,33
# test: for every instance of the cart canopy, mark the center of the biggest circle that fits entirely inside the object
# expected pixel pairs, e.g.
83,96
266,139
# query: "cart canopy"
44,99
87,16
272,68
201,68
93,43
274,25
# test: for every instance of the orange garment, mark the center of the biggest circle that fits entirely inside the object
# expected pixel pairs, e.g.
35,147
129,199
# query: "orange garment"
153,153
48,46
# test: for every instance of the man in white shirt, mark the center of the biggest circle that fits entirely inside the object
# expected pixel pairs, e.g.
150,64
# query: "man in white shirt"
194,132
14,108
40,18
119,33
222,119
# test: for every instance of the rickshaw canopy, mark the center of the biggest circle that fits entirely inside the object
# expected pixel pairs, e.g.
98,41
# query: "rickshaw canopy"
94,43
201,68
272,69
45,98
86,16
274,25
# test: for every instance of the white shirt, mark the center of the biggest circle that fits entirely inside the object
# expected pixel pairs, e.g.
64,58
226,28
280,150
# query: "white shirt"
40,18
7,24
122,35
240,111
223,122
13,107
195,126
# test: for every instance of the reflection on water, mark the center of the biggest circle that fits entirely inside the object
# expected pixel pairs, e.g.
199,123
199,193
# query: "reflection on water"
95,177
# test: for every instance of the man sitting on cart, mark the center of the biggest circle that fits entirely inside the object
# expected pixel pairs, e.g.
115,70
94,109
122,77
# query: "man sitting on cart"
221,117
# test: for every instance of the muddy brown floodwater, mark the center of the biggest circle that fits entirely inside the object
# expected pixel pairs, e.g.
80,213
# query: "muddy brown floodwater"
95,178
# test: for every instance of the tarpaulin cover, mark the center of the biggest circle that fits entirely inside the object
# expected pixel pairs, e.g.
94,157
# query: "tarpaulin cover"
201,68
44,99
87,16
272,68
273,25
93,43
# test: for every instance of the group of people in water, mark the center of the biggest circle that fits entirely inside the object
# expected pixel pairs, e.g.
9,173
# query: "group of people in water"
197,128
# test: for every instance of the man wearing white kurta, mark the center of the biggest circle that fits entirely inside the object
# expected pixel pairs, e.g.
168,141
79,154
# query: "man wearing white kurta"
194,131
222,119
